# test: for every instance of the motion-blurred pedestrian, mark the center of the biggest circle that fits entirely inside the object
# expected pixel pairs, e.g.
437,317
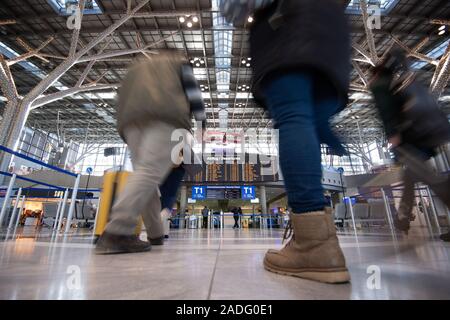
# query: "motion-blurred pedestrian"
414,126
157,97
300,57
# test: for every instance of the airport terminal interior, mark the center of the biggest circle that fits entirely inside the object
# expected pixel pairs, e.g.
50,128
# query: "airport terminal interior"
62,64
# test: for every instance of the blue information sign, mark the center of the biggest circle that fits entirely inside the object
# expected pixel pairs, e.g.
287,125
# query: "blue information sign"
248,192
198,193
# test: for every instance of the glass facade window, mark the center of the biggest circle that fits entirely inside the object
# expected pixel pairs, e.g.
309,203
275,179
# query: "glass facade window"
93,156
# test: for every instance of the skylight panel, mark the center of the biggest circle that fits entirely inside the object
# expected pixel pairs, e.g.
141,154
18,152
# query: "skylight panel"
61,6
385,5
435,53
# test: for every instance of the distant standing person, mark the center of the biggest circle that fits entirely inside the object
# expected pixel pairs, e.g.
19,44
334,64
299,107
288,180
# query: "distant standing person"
205,213
236,217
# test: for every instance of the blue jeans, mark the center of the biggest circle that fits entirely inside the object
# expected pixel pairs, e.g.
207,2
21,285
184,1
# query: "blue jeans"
170,186
301,104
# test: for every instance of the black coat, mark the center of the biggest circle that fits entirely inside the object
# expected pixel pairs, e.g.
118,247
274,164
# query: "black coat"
411,112
313,35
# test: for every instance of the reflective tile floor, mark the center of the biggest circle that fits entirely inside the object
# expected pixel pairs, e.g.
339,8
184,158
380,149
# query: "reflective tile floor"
217,264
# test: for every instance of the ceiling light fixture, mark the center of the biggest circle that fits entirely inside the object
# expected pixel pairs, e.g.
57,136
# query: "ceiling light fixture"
189,20
246,62
197,62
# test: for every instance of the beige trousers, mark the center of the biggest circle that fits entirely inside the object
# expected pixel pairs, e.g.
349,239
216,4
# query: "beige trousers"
150,148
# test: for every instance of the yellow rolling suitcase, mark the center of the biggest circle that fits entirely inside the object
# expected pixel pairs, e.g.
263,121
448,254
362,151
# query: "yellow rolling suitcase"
113,184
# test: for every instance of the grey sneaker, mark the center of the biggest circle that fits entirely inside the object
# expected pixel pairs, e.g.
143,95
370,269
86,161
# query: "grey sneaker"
109,243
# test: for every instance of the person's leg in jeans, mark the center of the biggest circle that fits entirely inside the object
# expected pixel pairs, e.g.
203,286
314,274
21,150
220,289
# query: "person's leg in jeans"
290,102
313,252
326,104
170,187
168,191
150,149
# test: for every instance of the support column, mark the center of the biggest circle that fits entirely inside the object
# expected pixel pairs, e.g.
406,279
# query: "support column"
183,205
72,203
263,199
7,200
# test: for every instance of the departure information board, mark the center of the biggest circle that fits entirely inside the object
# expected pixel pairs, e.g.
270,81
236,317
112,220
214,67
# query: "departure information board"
220,192
247,171
233,193
215,193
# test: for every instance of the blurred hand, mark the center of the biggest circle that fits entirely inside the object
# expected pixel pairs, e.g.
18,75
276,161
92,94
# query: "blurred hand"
395,140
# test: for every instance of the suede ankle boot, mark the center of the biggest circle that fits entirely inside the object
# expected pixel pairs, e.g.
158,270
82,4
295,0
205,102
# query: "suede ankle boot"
313,252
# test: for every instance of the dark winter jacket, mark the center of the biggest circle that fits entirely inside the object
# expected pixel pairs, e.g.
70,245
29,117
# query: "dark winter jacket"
304,35
411,112
311,34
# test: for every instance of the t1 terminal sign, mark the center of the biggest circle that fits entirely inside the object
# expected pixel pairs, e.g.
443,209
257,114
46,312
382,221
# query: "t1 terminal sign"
248,192
198,193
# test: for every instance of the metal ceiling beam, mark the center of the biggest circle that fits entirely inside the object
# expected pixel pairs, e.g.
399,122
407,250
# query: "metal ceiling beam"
96,30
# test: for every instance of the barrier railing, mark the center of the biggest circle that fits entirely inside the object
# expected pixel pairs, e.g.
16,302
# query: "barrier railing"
22,156
420,192
261,221
13,177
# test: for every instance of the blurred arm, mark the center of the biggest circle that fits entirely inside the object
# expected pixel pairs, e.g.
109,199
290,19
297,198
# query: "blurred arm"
386,103
193,93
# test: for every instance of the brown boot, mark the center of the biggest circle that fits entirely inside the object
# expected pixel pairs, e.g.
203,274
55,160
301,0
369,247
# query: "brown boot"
312,253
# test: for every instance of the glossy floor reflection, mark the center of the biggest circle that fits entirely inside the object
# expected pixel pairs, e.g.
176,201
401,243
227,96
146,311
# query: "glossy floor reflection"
216,264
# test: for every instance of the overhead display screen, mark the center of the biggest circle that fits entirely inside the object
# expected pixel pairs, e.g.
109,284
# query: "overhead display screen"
223,192
215,193
233,172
